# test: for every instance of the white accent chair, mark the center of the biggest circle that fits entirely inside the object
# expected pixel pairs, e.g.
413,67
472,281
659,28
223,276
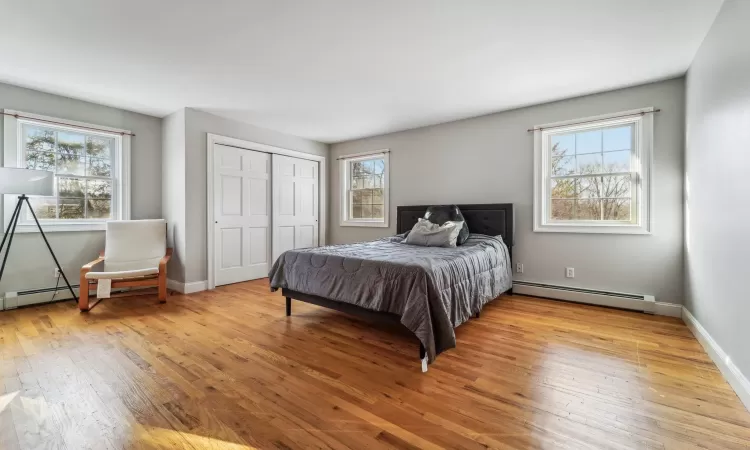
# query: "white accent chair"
135,255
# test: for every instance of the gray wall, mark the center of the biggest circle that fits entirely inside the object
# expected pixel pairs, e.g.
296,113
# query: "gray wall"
173,187
490,159
197,125
29,264
717,191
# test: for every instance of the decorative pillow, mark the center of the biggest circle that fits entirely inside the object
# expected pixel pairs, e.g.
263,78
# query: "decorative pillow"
442,213
428,234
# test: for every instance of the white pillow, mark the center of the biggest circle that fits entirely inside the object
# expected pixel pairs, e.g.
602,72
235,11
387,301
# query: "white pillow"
428,234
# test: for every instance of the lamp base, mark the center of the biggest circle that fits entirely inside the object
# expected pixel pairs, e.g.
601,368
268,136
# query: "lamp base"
11,230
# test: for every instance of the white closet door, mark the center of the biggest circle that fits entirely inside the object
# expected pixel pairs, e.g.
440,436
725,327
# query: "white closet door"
295,204
242,213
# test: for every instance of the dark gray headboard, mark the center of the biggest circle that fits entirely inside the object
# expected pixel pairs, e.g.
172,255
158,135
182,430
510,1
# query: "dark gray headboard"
490,219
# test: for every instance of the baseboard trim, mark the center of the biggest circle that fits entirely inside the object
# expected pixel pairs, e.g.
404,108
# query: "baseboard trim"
37,298
581,296
641,303
731,373
187,288
668,309
43,296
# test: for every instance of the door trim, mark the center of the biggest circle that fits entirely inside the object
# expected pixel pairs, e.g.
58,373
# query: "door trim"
211,140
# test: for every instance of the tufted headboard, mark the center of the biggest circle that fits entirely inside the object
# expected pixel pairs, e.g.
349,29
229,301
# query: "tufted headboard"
490,219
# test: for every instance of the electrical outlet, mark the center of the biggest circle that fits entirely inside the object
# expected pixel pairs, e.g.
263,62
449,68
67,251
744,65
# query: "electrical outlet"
519,267
570,272
57,272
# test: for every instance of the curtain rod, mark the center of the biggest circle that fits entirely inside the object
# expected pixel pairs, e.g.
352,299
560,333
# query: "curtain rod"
359,155
596,120
18,116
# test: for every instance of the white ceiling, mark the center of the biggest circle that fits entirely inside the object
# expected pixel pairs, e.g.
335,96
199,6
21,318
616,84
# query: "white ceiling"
333,70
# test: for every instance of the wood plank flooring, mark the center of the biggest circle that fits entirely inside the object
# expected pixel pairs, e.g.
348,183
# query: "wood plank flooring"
228,370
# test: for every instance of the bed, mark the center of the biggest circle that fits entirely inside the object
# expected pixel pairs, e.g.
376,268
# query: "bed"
428,290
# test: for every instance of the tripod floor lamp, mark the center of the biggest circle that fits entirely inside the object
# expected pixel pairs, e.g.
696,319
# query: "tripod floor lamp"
24,182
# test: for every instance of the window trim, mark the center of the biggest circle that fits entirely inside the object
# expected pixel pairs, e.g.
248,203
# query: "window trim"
13,157
344,179
642,120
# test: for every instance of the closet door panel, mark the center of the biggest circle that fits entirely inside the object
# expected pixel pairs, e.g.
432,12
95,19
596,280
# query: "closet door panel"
242,214
295,204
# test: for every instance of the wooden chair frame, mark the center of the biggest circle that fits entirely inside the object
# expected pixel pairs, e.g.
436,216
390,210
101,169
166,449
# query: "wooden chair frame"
159,281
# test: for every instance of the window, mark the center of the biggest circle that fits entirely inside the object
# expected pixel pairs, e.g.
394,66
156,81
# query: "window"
364,196
90,166
592,175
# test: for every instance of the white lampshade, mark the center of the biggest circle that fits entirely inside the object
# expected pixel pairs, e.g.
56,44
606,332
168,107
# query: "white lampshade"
26,181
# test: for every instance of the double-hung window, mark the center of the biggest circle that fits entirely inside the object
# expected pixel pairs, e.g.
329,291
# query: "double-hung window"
364,189
592,175
90,164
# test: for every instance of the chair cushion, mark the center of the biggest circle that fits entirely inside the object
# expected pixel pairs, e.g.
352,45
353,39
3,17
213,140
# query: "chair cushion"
133,245
122,274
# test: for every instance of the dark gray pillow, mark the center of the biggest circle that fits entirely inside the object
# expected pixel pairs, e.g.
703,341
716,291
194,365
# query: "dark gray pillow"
440,214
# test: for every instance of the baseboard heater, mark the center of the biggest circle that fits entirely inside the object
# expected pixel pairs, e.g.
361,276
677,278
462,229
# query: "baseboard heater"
34,297
43,290
29,297
636,302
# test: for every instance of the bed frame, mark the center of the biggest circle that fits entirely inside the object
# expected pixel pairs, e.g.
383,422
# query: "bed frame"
490,219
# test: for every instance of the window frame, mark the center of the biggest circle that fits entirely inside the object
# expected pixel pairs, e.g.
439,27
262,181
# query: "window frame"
345,187
14,153
640,171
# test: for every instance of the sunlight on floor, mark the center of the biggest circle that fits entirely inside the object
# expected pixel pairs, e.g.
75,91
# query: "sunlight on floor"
35,408
34,411
578,382
6,399
159,436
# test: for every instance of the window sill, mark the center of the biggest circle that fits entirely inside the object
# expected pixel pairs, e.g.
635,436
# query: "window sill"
62,227
592,229
352,223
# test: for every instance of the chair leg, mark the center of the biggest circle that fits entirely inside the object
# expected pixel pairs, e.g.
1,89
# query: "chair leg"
83,294
162,291
162,288
288,306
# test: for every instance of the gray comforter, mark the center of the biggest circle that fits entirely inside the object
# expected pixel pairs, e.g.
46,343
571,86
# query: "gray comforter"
432,289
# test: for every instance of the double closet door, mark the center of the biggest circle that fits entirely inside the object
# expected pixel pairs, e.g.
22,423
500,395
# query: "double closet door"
264,204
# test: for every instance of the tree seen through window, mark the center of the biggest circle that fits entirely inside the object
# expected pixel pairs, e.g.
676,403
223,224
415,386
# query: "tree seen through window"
366,188
591,175
83,167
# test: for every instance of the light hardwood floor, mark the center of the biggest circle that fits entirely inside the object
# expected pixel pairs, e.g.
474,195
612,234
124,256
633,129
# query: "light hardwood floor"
226,369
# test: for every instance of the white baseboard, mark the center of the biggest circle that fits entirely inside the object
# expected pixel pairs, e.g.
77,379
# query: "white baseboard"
187,288
14,301
645,303
731,373
668,309
11,300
